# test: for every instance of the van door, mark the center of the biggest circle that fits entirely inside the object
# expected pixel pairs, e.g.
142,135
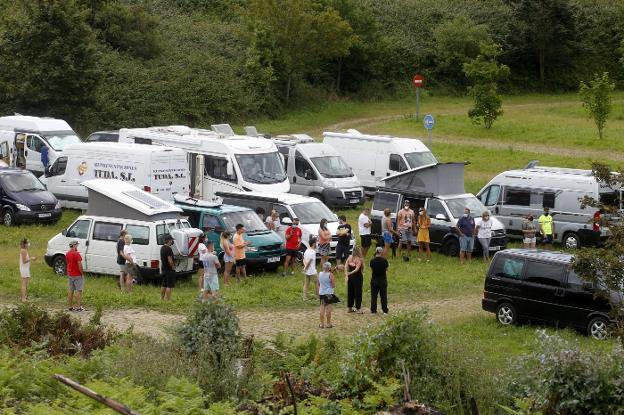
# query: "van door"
441,223
382,201
80,231
544,290
56,182
305,178
515,208
580,300
5,154
32,152
141,244
504,281
102,252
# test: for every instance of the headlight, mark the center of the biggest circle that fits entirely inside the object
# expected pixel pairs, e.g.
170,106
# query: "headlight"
22,207
331,183
251,249
58,205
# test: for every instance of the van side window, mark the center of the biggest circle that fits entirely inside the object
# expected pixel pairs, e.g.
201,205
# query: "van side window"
302,166
545,274
211,222
34,143
4,150
281,211
59,166
284,152
385,200
79,230
435,207
549,200
216,167
490,196
140,234
517,197
396,163
161,231
104,231
506,267
574,282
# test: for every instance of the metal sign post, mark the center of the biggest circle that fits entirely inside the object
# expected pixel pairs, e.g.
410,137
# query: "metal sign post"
418,81
429,122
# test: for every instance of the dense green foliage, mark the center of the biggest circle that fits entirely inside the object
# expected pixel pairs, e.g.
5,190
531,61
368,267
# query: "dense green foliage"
106,64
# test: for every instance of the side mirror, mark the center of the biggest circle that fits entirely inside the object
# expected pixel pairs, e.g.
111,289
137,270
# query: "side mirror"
229,168
286,221
441,216
64,232
588,286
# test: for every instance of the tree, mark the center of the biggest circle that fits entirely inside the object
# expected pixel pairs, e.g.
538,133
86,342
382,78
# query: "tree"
596,98
484,72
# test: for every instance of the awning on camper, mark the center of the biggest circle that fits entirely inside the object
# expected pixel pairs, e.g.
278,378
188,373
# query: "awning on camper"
437,179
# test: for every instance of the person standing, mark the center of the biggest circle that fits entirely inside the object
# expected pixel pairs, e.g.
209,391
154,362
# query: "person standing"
272,221
325,285
364,228
45,158
202,250
168,269
424,223
465,227
211,278
406,222
547,227
379,281
228,255
75,277
528,232
131,265
24,267
121,260
343,247
483,229
355,281
324,241
293,242
309,266
387,231
240,258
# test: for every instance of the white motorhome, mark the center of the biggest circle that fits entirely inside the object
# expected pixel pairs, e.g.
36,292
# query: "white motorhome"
115,205
514,194
317,170
24,137
161,171
219,160
374,157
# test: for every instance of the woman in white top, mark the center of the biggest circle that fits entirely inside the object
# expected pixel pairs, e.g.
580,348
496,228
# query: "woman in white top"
130,255
24,266
483,229
309,266
272,221
202,250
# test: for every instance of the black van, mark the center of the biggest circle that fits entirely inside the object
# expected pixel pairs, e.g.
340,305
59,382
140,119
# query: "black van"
541,285
25,199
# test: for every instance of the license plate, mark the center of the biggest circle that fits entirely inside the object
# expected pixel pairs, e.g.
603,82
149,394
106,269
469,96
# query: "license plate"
354,201
495,248
45,215
273,259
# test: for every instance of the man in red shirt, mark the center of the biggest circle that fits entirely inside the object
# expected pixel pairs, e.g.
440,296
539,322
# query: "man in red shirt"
293,241
74,276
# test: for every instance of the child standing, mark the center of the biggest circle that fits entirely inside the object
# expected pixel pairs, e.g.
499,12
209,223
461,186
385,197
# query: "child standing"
24,266
325,288
309,266
211,279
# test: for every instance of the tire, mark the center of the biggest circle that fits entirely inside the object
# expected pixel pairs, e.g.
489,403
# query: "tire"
451,247
8,218
59,265
571,240
506,314
598,328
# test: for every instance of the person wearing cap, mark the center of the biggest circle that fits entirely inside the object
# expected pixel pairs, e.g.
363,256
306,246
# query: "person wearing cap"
325,284
293,236
73,259
379,281
168,269
240,257
343,247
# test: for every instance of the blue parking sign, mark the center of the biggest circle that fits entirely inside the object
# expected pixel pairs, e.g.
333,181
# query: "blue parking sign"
428,121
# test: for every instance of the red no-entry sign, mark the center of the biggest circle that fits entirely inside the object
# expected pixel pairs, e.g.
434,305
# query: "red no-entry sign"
418,81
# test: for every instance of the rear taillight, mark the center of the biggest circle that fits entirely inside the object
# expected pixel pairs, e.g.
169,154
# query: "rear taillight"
147,189
154,264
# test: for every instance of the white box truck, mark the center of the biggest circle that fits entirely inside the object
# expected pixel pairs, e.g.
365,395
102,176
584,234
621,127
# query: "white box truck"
373,157
24,137
161,171
218,159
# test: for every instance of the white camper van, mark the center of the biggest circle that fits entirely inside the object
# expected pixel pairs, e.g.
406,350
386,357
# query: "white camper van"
514,194
115,205
317,170
162,171
373,157
24,136
219,160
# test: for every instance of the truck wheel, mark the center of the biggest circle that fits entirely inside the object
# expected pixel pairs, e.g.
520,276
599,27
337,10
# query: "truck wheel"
59,265
451,247
598,328
506,314
8,218
571,241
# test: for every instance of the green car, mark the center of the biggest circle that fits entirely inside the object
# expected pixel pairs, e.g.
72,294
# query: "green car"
266,249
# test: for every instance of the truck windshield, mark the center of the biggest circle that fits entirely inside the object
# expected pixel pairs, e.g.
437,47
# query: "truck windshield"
247,218
420,158
22,182
313,213
332,166
263,168
58,141
457,206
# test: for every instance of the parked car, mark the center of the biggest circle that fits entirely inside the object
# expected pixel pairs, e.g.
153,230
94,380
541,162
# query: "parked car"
541,285
103,137
25,199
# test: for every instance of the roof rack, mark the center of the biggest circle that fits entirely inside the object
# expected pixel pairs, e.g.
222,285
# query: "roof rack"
244,195
294,138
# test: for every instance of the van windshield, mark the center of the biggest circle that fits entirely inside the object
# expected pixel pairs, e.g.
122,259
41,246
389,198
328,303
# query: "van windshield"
332,166
420,158
247,218
58,141
313,213
22,182
457,206
263,168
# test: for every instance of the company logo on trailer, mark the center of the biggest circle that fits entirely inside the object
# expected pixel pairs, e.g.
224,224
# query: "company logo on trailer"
82,168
